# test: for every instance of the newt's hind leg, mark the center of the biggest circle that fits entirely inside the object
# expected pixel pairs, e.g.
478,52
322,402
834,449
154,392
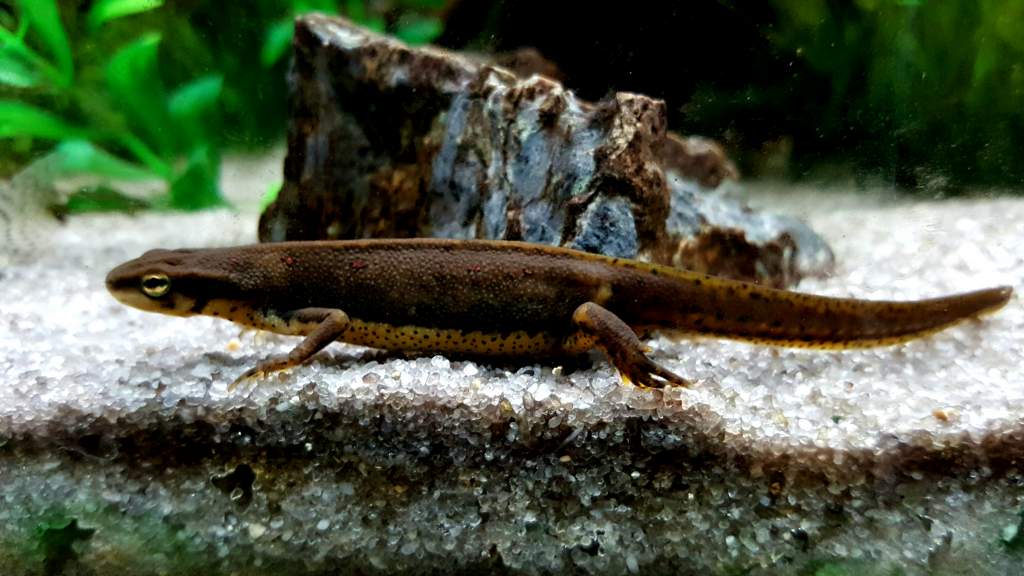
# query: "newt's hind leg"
623,348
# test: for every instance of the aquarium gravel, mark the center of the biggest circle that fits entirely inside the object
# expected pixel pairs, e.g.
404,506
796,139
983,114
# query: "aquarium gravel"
775,461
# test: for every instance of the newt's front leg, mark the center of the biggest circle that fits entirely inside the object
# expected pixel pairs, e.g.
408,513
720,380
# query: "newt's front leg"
330,324
622,346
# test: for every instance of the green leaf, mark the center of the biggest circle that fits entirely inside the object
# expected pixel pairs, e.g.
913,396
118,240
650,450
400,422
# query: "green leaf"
80,156
276,42
187,106
102,199
195,97
44,18
356,10
197,188
419,30
134,82
374,23
14,71
57,542
106,10
270,195
325,6
139,149
22,30
20,60
20,119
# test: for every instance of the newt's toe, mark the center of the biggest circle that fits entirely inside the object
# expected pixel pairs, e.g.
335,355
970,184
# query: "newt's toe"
250,374
645,373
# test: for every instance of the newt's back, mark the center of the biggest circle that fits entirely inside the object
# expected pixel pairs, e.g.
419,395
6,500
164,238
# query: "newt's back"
503,298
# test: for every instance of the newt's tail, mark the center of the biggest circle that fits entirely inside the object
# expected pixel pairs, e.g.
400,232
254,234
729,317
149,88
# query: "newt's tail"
783,318
865,323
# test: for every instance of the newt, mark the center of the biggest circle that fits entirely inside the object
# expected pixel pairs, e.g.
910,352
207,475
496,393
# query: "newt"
505,299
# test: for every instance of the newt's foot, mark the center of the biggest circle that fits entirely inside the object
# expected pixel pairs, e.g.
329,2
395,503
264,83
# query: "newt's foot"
641,371
262,370
250,374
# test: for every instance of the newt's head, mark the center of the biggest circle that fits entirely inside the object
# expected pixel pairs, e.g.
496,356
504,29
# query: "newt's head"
176,282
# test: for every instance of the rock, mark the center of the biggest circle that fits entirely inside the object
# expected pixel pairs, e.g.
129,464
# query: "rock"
391,141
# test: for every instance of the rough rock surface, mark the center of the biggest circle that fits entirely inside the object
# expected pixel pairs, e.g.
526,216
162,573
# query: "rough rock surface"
121,450
386,140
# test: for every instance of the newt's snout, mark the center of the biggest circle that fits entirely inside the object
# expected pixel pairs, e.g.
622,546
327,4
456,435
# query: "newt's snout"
118,281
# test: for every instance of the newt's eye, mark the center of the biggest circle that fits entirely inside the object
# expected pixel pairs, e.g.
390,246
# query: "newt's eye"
156,285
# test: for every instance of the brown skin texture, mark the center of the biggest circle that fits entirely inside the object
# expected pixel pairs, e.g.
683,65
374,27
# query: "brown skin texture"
505,299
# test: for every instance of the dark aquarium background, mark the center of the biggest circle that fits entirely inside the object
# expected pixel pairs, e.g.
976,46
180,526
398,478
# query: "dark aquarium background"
914,92
922,95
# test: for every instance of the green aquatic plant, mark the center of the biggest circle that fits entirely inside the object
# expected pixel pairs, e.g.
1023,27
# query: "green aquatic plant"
136,91
923,90
922,94
416,22
116,123
57,540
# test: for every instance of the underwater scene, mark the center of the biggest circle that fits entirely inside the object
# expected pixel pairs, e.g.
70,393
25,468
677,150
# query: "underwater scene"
469,287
